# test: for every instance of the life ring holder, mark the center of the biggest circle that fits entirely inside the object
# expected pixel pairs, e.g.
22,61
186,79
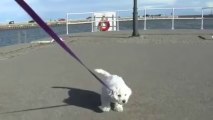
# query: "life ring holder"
105,27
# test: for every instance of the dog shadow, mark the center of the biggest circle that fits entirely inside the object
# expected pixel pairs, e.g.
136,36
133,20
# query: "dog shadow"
82,98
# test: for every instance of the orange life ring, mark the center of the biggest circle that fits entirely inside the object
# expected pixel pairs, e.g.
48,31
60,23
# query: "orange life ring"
103,25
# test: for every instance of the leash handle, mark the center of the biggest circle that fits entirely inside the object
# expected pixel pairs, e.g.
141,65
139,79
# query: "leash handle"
48,30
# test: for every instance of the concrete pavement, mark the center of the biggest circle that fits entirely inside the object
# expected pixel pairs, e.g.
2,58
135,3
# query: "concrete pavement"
170,73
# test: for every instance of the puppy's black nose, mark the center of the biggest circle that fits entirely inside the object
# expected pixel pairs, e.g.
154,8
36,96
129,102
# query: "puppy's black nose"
124,101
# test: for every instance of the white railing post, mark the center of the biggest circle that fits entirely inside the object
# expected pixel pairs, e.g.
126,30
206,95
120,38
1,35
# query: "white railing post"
92,20
113,24
144,19
173,18
117,20
94,27
201,19
67,25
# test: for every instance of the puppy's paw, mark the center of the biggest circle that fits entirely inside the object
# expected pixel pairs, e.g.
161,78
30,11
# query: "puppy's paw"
119,108
105,108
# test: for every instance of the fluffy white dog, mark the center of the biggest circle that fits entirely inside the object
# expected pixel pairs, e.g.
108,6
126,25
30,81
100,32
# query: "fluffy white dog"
117,92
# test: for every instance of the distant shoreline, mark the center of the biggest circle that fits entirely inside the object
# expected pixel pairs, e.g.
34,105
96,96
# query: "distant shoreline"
34,25
26,25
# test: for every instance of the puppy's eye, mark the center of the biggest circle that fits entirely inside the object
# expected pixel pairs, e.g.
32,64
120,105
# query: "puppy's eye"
119,95
125,94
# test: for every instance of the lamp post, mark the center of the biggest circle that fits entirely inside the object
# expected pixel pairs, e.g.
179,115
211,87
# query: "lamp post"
135,20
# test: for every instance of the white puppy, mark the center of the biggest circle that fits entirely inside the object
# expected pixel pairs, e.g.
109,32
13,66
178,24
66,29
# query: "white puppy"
117,92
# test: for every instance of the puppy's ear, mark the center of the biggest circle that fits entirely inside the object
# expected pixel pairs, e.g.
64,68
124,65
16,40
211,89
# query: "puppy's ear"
113,91
130,91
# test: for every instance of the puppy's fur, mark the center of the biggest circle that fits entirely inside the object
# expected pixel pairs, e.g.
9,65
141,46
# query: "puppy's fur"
118,94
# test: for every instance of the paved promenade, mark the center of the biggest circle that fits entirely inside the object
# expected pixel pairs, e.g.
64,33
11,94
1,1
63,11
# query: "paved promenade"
170,73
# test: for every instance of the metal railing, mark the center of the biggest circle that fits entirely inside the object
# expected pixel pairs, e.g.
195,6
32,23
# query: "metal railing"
145,15
70,21
90,19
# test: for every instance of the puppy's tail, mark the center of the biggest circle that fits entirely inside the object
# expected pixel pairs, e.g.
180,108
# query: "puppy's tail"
103,72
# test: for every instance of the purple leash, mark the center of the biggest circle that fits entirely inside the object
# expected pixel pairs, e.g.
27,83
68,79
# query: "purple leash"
48,30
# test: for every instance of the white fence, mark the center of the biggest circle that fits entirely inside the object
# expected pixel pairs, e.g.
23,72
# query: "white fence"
145,15
91,17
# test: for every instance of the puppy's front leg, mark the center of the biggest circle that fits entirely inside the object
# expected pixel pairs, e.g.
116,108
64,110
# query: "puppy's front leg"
105,103
118,107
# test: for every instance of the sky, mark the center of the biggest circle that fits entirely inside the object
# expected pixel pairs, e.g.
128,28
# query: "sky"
55,9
